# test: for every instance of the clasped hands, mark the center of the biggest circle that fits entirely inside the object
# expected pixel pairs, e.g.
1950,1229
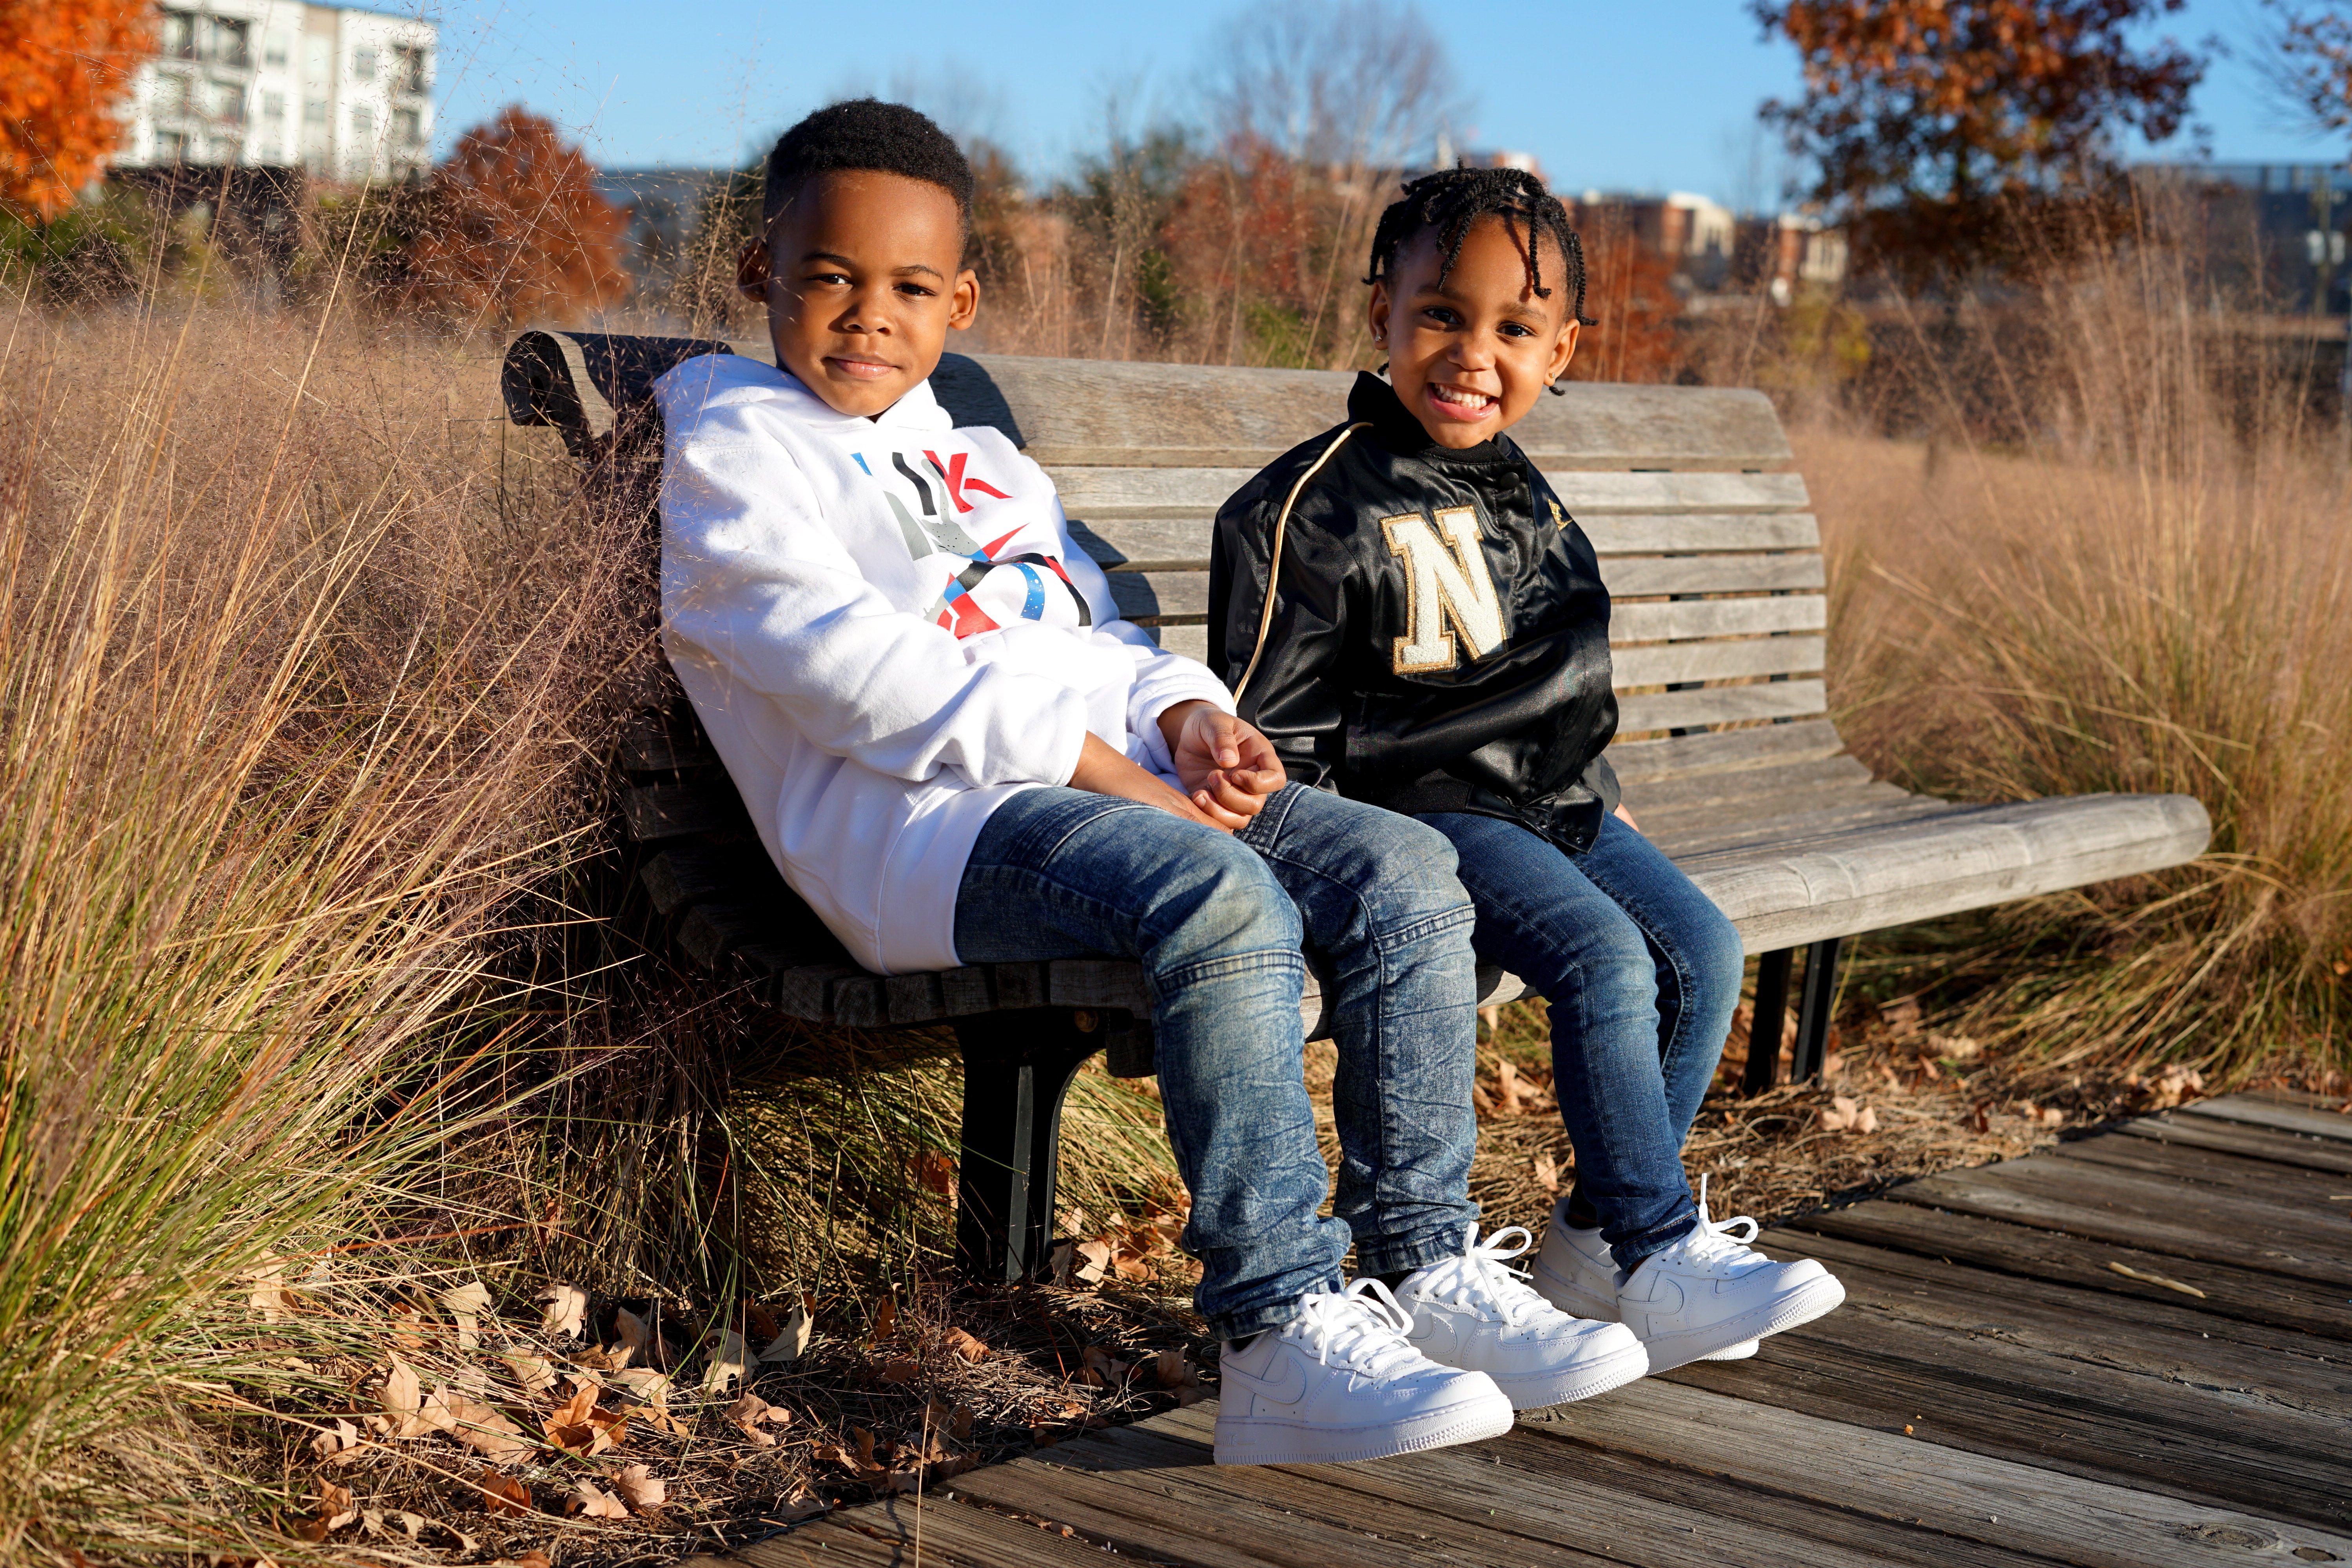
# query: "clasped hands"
1228,769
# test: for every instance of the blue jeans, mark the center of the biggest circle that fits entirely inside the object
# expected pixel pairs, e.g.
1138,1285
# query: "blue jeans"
1217,923
1642,972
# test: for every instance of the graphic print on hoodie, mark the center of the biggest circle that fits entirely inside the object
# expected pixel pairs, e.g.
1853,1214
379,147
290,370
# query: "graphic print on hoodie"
930,529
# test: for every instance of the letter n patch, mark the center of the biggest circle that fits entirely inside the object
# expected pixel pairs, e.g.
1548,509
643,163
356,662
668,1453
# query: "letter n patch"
1446,581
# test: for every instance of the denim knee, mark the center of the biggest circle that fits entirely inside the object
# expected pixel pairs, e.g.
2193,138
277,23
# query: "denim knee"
1226,911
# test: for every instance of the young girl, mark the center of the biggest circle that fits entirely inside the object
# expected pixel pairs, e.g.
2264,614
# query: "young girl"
1437,642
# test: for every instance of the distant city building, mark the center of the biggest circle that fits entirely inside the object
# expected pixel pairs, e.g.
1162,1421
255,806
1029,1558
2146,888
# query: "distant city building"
342,93
2278,231
1697,234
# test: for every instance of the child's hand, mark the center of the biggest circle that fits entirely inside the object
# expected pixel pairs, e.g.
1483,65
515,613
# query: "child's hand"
1226,766
1103,769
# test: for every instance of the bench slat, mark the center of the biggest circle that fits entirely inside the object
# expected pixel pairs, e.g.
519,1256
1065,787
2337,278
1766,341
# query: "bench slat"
1089,412
1714,829
1717,618
1638,534
1966,858
656,812
1652,799
1721,705
1150,598
1680,756
1642,576
1662,663
1111,494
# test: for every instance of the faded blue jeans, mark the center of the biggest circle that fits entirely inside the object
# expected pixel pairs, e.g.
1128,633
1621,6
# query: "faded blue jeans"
1641,973
1217,923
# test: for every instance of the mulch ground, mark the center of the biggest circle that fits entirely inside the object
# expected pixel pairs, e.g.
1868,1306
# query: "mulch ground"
632,1439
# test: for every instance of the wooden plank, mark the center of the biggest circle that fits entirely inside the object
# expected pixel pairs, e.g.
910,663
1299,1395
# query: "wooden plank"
2256,1112
2056,1414
653,813
908,999
804,990
1759,786
1110,983
709,931
888,1534
1617,534
1104,494
1664,663
1191,640
2237,1138
2164,1217
1783,895
855,1001
2307,1190
1635,1510
2282,1209
1087,411
684,873
1145,597
1717,619
1721,705
1145,544
1634,576
651,747
2173,1341
2020,1249
1823,817
1974,1498
1764,746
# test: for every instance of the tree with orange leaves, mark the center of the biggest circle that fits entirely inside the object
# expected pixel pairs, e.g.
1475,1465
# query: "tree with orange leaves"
65,68
2309,66
511,230
1935,124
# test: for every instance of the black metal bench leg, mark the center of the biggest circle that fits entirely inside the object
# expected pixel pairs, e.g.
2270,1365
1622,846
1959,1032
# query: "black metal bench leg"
1764,1021
1016,1068
1813,1010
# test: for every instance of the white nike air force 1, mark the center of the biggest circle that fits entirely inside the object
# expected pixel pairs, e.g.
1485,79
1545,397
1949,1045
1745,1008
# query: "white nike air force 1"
1576,1272
1341,1381
1712,1291
1473,1311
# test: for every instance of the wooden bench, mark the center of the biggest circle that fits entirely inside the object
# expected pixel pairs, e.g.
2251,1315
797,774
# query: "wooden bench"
1723,745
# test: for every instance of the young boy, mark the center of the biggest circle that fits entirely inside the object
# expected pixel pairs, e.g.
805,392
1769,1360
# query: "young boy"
958,754
1437,642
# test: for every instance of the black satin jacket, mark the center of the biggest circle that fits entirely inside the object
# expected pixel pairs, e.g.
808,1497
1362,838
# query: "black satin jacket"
1373,685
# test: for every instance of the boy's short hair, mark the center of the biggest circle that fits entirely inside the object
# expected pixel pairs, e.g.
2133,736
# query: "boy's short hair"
870,135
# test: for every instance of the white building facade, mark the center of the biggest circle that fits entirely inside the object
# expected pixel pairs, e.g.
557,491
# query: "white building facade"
345,94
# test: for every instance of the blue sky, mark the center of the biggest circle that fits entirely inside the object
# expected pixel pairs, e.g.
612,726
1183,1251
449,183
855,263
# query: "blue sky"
1657,94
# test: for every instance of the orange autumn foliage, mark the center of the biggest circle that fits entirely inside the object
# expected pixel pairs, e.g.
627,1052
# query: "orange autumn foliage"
65,68
511,230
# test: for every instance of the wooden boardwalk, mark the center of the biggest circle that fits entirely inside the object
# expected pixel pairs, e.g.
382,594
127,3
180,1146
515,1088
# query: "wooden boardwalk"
2134,1348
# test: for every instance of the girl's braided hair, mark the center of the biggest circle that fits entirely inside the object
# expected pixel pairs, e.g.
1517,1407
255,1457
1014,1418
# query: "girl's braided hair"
1451,200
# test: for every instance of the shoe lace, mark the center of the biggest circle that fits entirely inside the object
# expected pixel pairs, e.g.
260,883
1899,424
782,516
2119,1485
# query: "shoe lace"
1482,1279
1362,1326
1715,1241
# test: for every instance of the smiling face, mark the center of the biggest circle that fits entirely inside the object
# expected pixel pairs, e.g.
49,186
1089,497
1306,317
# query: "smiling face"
863,275
1470,355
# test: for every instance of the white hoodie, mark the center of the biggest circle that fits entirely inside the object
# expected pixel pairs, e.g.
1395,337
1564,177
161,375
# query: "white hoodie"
888,632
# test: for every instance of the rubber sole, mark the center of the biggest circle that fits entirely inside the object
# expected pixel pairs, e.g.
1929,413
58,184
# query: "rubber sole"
1582,1381
1815,1299
1262,1442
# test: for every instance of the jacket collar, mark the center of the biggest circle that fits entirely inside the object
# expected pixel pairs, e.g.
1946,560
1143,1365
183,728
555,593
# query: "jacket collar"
1374,400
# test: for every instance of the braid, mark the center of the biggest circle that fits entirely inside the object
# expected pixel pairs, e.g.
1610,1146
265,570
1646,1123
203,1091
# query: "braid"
1451,200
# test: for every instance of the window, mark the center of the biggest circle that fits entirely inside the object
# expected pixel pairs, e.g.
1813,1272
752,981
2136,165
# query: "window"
408,68
230,43
364,123
224,101
273,108
170,147
363,64
172,96
407,127
179,35
314,112
275,51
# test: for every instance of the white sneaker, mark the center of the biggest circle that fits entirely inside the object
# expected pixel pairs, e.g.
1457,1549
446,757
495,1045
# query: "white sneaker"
1711,1289
1577,1273
1341,1381
1472,1311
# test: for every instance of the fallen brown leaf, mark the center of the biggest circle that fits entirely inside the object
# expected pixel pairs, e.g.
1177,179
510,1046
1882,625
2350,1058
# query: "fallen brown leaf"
641,1488
728,1363
533,1559
936,1172
566,1311
591,1502
339,1444
1093,1261
886,1320
1506,1086
1170,1369
634,1340
534,1375
969,1346
403,1400
960,1424
792,1341
467,1305
1546,1170
899,1369
504,1494
476,1425
759,1322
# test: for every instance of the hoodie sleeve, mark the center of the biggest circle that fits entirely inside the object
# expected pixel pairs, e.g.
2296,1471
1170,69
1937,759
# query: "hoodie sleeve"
757,586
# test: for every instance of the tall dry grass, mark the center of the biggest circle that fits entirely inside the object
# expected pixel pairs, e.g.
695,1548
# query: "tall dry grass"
2147,587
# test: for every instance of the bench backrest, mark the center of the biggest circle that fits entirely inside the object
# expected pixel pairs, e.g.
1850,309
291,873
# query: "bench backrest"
1713,562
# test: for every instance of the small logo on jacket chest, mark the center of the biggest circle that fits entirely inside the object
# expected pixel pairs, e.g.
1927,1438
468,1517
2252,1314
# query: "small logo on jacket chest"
1446,584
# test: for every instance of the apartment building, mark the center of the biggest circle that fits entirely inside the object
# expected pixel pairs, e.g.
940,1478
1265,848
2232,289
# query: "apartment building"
340,92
